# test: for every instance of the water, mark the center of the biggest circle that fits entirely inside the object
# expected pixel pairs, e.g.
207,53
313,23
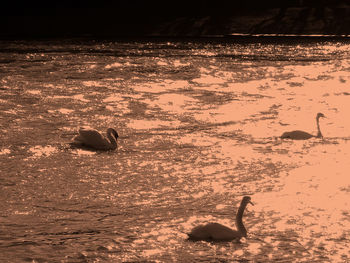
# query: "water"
199,125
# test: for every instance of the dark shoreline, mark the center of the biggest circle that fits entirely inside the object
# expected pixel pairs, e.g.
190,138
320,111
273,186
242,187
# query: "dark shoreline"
237,38
317,21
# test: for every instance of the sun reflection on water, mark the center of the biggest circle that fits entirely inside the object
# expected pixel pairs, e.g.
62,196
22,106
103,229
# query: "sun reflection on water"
200,127
39,151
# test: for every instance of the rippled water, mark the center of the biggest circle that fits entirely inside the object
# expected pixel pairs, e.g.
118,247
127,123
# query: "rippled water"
199,125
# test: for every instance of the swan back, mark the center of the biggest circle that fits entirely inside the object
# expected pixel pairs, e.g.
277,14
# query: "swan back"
90,135
296,135
213,232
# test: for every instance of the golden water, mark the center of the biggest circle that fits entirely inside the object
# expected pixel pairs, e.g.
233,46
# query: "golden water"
199,125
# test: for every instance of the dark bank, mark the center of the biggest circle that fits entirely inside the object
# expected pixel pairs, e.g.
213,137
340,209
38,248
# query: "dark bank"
181,18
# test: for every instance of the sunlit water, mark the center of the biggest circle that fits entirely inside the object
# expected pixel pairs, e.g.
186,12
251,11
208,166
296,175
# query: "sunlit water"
198,125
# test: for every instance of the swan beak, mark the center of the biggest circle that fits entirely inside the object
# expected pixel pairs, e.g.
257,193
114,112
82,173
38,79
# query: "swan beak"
250,202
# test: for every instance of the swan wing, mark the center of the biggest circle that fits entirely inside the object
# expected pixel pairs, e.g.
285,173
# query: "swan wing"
90,134
92,138
297,135
223,233
214,232
199,233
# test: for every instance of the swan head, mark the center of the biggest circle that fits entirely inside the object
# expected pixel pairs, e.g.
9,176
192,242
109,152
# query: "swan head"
320,115
246,200
113,132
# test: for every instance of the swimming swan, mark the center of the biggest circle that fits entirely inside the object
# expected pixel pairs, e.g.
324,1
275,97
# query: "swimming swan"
93,139
301,135
218,232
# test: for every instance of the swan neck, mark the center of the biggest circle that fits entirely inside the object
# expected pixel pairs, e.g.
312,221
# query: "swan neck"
319,134
239,222
112,139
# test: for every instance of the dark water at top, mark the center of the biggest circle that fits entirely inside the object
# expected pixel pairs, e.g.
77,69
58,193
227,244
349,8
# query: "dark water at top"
198,125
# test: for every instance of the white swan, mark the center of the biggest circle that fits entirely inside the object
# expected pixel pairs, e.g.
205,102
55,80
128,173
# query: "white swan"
93,139
301,135
218,232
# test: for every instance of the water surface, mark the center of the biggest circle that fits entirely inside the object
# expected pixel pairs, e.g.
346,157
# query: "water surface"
199,125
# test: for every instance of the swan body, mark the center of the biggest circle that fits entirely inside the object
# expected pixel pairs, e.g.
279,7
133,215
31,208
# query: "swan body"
93,139
301,135
297,135
218,232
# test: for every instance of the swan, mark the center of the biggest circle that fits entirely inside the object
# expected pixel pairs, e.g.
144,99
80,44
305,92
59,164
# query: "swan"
93,139
301,135
218,232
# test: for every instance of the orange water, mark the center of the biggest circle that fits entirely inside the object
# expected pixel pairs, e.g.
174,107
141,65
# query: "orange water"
199,125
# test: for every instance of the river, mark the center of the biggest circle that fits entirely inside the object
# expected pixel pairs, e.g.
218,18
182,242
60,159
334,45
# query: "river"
199,124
